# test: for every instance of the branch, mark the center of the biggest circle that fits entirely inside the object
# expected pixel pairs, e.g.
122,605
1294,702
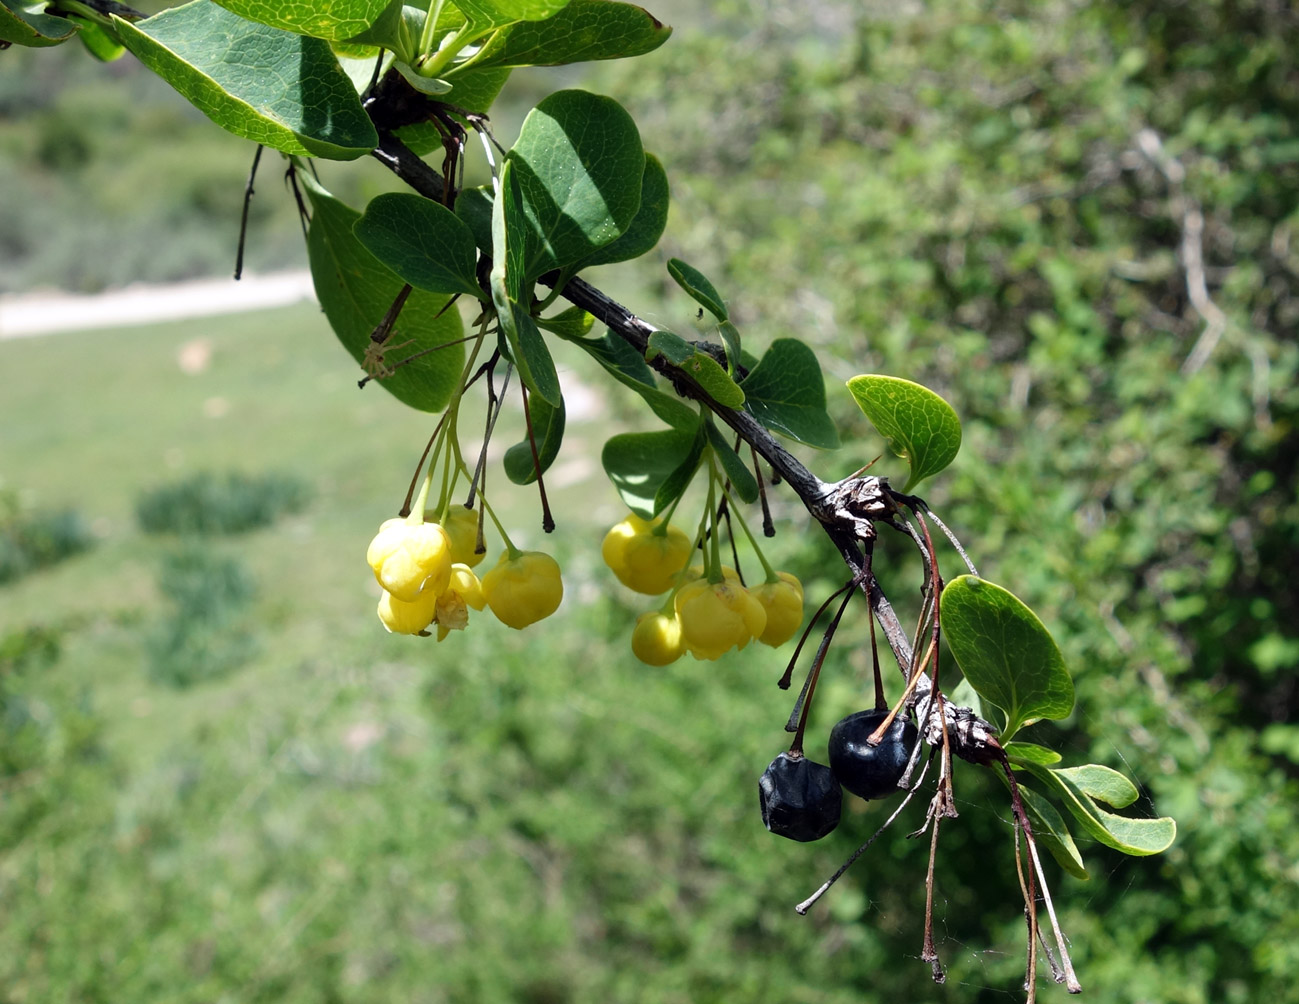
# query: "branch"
847,510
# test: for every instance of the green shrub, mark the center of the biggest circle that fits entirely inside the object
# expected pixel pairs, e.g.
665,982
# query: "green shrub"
205,634
28,543
206,503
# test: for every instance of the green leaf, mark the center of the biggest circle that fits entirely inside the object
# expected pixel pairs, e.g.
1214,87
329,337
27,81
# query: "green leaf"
676,483
423,242
918,425
731,341
319,18
273,87
1005,652
548,430
627,366
25,23
1051,832
584,30
786,393
474,207
497,13
1023,753
99,41
698,365
1103,783
742,479
1077,787
572,324
356,290
578,164
646,227
697,285
640,463
474,92
525,345
432,86
397,29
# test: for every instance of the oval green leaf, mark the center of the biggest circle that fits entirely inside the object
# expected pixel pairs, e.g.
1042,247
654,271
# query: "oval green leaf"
423,242
697,285
333,19
1005,652
1077,788
641,464
273,87
918,425
578,164
583,31
698,365
356,290
25,23
786,393
646,227
548,431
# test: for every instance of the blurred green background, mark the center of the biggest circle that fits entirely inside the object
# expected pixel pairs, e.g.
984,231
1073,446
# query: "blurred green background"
221,781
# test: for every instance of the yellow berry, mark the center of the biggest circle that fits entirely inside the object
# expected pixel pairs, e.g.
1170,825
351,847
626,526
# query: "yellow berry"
716,617
656,639
462,527
400,617
523,590
410,559
644,560
783,602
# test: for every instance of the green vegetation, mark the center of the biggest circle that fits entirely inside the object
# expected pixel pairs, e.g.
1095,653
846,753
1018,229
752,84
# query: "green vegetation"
29,541
995,200
204,503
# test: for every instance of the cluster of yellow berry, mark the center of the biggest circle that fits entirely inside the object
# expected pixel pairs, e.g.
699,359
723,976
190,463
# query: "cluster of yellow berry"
706,615
426,571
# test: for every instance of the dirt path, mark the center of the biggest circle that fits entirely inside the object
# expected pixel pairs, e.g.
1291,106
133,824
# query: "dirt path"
28,314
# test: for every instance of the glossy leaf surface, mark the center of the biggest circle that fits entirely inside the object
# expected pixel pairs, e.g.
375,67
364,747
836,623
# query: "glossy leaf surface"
578,164
918,425
498,13
584,30
273,87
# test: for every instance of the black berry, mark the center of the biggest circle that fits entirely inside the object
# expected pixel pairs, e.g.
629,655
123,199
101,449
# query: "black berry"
871,771
799,799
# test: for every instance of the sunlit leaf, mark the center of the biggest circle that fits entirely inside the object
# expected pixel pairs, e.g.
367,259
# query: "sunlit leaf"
918,425
273,87
1078,787
698,365
584,30
578,165
320,18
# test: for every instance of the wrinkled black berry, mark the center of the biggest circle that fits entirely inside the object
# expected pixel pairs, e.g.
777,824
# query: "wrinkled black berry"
799,799
871,771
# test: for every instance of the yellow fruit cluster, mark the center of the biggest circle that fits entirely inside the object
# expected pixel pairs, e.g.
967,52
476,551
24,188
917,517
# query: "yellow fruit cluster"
426,574
705,618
